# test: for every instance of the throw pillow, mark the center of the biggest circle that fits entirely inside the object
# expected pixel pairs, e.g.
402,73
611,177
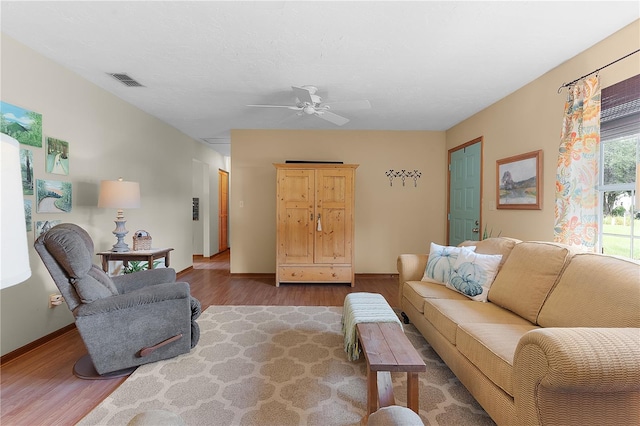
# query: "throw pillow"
441,261
473,274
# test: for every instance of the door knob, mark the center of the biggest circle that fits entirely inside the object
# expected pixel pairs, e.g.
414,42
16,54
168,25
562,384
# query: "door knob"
475,230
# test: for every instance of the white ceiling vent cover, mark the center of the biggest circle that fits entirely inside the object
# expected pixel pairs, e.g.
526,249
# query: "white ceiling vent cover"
125,79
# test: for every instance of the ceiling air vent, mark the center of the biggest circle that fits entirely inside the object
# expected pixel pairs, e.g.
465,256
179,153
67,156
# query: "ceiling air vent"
126,80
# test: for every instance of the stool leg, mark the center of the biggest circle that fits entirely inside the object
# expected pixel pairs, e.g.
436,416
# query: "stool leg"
413,398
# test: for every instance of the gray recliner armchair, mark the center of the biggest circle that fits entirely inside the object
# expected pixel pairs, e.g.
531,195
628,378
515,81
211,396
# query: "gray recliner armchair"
125,321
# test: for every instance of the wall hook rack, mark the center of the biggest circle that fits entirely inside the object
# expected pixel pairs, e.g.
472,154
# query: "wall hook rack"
404,174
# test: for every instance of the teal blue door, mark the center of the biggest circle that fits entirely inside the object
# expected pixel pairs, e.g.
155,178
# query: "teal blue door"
465,175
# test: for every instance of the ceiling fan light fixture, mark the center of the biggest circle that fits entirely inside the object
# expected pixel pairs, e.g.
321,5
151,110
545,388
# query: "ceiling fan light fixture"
308,109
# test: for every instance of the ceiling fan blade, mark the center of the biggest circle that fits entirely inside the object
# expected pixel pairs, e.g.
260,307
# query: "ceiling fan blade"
331,117
363,104
276,106
302,94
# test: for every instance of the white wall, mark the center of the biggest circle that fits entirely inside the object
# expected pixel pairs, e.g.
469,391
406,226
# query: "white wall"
108,138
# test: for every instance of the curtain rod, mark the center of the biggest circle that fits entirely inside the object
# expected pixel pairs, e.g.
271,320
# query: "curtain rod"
595,71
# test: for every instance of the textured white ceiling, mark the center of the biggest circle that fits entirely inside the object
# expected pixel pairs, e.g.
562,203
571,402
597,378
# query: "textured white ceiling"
423,65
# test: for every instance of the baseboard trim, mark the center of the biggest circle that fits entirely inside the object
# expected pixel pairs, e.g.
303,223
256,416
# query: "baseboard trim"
273,275
380,275
33,345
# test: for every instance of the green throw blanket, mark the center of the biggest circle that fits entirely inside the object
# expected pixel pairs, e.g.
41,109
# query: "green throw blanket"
361,308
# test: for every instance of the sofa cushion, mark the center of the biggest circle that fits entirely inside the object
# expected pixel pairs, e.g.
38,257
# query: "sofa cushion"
527,277
441,261
416,291
473,274
446,314
491,348
595,291
497,245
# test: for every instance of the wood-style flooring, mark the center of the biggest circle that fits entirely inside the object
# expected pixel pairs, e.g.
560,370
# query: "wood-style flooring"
39,388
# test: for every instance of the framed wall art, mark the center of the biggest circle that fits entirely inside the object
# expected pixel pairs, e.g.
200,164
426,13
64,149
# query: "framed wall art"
519,181
53,196
57,159
21,124
26,169
43,226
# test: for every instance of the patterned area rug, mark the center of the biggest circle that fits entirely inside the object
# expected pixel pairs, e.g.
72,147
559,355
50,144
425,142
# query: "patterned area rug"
277,365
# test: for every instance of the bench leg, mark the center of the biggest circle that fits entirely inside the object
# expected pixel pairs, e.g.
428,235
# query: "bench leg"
385,389
413,399
372,391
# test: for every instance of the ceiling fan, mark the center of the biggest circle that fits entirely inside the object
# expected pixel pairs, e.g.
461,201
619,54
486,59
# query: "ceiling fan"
307,102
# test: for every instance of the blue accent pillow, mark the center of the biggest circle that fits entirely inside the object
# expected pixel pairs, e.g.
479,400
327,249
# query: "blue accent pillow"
441,262
473,274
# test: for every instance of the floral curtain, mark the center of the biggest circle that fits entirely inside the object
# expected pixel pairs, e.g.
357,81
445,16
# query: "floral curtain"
576,211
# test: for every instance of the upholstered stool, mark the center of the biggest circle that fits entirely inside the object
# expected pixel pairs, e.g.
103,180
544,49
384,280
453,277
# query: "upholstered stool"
156,418
394,415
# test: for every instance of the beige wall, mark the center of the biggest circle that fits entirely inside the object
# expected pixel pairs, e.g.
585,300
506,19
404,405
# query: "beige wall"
107,138
530,119
389,219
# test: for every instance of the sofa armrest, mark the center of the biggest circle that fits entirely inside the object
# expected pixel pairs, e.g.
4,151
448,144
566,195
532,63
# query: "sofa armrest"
572,372
144,296
131,282
410,268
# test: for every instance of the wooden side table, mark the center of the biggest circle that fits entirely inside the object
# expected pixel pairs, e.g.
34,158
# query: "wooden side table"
140,255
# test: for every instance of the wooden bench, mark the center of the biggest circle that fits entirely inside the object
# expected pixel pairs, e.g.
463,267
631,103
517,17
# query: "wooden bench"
387,349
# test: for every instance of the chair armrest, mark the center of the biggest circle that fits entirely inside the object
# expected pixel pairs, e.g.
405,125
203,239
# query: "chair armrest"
144,296
131,282
410,268
552,361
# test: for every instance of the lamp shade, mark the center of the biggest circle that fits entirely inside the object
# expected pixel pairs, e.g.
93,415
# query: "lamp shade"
14,255
119,194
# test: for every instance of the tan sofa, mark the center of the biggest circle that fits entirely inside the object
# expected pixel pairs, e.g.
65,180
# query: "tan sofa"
557,343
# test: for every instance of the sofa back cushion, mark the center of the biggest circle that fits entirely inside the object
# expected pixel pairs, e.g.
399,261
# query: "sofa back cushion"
496,245
527,277
595,291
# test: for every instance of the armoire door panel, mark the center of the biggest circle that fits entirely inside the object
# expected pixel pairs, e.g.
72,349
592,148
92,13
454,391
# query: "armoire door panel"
334,203
295,216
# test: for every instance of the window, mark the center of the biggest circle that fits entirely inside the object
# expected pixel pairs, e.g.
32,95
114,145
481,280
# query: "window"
619,158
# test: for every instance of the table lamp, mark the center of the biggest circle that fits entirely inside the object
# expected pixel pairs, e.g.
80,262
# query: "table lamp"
14,255
119,194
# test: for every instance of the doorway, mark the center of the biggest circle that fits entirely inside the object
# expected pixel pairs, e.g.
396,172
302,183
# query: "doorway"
223,210
465,192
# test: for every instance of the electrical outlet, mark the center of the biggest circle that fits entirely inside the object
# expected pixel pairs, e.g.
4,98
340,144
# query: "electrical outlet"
55,300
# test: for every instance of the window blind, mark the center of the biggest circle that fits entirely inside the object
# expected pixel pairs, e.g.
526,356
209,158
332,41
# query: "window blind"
620,109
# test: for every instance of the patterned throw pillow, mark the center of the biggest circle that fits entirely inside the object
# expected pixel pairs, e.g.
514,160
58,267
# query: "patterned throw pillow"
473,274
441,261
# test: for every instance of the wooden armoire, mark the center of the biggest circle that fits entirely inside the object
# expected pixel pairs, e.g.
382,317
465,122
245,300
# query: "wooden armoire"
315,223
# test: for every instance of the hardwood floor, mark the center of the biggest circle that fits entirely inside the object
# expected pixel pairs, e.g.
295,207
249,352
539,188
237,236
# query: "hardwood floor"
39,388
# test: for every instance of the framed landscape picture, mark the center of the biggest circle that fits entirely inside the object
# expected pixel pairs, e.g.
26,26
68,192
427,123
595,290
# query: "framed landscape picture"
19,123
53,196
519,181
43,226
57,159
28,204
26,169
